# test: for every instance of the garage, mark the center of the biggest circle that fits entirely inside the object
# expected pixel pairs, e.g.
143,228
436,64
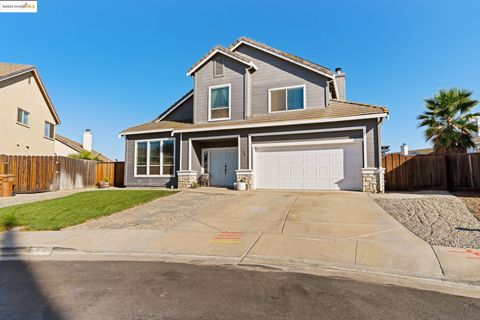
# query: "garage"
332,166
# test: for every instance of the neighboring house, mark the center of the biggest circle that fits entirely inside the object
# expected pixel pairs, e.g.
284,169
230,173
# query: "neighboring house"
66,147
263,116
27,115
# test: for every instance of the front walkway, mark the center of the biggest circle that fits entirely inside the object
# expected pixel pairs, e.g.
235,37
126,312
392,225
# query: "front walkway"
339,230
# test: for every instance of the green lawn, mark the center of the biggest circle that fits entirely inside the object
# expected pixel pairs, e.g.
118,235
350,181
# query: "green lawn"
74,209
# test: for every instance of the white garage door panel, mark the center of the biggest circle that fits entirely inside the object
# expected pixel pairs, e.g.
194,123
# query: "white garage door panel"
328,167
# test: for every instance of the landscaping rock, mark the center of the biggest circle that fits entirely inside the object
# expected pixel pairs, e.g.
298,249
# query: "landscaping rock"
441,220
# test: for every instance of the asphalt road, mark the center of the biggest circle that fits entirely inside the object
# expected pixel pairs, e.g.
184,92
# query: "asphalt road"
154,290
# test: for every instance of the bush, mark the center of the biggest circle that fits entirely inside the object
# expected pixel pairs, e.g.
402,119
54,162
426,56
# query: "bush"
8,221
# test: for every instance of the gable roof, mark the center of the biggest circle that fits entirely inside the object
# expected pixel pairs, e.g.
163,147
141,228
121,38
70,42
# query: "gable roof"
79,147
10,70
338,111
174,106
282,54
219,49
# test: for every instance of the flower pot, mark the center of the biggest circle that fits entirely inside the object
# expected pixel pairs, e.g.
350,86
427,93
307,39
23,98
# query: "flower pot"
103,184
241,186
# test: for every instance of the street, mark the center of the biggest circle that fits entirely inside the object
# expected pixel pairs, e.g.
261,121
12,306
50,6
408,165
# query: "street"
156,290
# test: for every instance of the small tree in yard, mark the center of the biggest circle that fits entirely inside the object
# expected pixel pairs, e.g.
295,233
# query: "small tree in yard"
449,121
85,155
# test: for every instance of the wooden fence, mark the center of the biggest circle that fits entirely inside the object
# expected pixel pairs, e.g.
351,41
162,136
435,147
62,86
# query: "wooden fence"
49,173
453,172
112,171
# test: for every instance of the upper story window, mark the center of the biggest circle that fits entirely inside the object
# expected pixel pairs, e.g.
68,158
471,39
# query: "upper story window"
23,117
218,64
49,130
219,102
286,99
155,158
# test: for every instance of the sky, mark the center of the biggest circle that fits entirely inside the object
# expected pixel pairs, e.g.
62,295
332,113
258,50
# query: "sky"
109,65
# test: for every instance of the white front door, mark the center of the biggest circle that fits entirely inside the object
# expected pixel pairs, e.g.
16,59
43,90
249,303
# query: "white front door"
223,163
327,167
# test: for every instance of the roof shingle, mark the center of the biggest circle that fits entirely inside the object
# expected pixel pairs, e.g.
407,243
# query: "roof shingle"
337,109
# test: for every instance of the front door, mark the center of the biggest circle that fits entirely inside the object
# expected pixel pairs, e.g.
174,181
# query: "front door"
223,164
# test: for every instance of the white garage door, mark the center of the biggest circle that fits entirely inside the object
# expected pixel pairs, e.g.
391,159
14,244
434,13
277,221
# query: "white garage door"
327,167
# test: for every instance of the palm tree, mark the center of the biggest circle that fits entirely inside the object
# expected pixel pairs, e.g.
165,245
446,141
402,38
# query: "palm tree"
449,121
85,155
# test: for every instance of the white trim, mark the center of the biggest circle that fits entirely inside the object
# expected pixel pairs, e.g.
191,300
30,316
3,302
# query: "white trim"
251,149
180,147
229,85
175,106
161,140
283,123
304,143
286,98
281,57
146,131
205,60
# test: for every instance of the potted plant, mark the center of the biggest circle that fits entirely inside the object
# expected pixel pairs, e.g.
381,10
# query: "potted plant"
104,183
242,184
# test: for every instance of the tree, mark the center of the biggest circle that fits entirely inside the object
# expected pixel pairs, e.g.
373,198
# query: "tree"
449,121
85,155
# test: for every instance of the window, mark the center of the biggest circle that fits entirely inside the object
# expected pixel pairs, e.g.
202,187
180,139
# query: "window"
49,130
286,99
155,158
219,102
23,117
218,64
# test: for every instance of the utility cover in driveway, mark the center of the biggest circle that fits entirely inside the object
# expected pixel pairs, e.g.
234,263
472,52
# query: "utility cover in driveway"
325,167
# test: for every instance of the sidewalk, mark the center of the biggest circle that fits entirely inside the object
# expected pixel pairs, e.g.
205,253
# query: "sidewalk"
285,252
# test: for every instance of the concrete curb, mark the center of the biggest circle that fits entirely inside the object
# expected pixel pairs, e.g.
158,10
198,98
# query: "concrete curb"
53,253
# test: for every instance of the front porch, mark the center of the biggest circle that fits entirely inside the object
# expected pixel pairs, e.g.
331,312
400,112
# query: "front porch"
213,161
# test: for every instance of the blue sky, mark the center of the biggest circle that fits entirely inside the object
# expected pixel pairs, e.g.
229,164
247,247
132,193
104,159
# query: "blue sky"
109,65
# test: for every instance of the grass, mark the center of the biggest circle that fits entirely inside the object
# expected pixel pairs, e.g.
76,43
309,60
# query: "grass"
71,210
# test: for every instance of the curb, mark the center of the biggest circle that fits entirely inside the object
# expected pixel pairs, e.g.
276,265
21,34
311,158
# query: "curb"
53,253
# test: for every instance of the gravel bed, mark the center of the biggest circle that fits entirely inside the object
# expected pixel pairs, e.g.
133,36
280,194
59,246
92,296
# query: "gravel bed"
441,220
159,214
471,201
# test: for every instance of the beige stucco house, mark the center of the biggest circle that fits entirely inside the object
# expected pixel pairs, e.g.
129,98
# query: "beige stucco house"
27,116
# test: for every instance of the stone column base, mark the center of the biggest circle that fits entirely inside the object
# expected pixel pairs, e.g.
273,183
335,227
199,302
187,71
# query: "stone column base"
373,180
246,176
186,179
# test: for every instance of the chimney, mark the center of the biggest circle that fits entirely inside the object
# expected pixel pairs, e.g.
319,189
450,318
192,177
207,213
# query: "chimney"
477,134
340,78
87,140
404,149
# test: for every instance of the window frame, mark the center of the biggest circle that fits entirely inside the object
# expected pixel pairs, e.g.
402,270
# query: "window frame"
52,127
161,175
226,85
27,125
304,87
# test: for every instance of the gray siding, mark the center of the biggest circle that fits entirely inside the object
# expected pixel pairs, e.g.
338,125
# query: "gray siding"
234,73
183,113
274,72
130,179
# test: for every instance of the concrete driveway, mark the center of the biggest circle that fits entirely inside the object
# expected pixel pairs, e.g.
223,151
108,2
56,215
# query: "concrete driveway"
346,229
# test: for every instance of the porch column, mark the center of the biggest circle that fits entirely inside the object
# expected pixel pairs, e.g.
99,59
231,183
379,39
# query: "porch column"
373,180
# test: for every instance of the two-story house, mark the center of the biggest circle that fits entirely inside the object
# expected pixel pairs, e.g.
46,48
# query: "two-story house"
27,115
260,115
